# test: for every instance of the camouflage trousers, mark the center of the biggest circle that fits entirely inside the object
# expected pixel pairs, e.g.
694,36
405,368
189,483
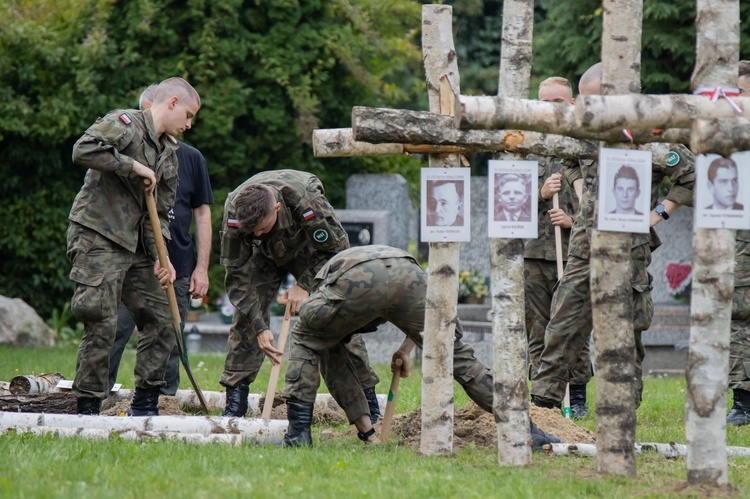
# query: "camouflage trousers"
739,344
540,281
105,274
372,292
564,338
244,357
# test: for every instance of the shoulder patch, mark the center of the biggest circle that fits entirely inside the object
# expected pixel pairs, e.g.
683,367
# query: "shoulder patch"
672,159
308,215
125,118
320,235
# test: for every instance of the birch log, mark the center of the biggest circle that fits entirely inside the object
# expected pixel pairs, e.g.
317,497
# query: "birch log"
717,57
340,143
670,450
379,125
50,403
611,287
600,113
262,431
442,283
31,384
136,435
721,136
488,112
509,344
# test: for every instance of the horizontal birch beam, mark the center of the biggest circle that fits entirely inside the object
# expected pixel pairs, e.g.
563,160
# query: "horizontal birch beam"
264,431
607,112
381,125
340,143
493,112
720,136
217,400
137,435
670,450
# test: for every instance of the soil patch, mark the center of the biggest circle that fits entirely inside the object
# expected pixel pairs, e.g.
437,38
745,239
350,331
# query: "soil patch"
168,406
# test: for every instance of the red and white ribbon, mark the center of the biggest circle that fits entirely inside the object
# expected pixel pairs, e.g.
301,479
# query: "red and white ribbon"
715,93
628,134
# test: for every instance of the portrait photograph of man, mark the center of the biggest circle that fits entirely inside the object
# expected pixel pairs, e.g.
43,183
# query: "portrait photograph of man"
624,190
513,198
445,209
722,180
446,203
722,196
512,201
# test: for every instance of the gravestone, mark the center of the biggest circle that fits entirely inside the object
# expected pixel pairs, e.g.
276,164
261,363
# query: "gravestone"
475,255
367,226
385,192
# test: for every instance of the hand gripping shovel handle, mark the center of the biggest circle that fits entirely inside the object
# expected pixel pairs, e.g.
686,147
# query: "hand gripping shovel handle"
161,250
275,370
390,406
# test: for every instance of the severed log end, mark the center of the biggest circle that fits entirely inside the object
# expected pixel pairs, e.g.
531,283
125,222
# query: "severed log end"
722,136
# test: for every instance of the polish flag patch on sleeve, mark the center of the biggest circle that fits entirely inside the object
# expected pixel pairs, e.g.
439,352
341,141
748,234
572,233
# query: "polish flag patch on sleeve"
308,215
232,222
125,119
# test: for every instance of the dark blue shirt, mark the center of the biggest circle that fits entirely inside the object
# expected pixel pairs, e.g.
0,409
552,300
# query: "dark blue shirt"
194,191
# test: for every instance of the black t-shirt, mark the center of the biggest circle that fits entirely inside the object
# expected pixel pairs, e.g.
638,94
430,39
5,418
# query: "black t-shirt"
194,191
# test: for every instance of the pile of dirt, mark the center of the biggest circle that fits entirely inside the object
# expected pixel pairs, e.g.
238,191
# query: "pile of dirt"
168,406
321,415
472,424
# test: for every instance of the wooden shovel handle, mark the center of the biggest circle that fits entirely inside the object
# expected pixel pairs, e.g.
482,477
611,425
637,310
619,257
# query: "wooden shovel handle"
275,370
390,406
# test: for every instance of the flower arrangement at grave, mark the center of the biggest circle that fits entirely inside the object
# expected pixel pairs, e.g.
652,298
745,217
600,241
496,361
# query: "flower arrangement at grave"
679,276
472,286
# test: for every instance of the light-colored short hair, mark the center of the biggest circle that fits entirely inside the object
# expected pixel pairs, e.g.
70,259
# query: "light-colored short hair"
554,80
147,95
176,86
744,69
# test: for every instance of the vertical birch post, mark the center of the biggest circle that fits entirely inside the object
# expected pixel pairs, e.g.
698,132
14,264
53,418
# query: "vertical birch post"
610,264
441,70
717,55
509,344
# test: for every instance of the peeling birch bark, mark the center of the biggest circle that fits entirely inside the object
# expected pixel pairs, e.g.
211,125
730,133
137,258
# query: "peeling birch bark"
600,113
509,343
340,143
31,384
610,261
489,112
720,136
266,431
717,57
380,125
441,70
50,403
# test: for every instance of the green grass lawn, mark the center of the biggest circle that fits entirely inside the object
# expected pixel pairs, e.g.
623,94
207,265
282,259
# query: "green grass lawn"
46,466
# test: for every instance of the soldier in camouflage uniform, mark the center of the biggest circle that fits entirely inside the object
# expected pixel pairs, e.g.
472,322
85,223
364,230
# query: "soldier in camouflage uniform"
291,228
571,306
539,257
112,247
739,346
359,289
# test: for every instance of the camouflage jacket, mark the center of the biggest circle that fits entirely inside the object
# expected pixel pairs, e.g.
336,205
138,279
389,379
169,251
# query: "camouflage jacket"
345,260
543,247
306,220
112,201
680,169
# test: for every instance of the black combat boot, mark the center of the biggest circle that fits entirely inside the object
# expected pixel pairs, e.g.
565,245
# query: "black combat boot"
578,407
372,402
545,405
89,406
145,402
541,438
740,413
237,400
300,417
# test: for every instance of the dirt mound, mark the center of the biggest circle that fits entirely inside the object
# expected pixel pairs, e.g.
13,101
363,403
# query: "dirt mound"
168,406
472,424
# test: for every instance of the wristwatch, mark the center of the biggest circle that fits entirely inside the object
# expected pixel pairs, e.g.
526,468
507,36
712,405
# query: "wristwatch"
661,210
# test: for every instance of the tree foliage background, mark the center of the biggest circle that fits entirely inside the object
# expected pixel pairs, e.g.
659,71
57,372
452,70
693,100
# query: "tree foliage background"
268,72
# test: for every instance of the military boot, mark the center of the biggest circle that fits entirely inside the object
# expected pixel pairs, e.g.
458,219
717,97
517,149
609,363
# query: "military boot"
540,437
88,406
300,416
740,413
544,405
236,406
578,407
372,402
145,402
